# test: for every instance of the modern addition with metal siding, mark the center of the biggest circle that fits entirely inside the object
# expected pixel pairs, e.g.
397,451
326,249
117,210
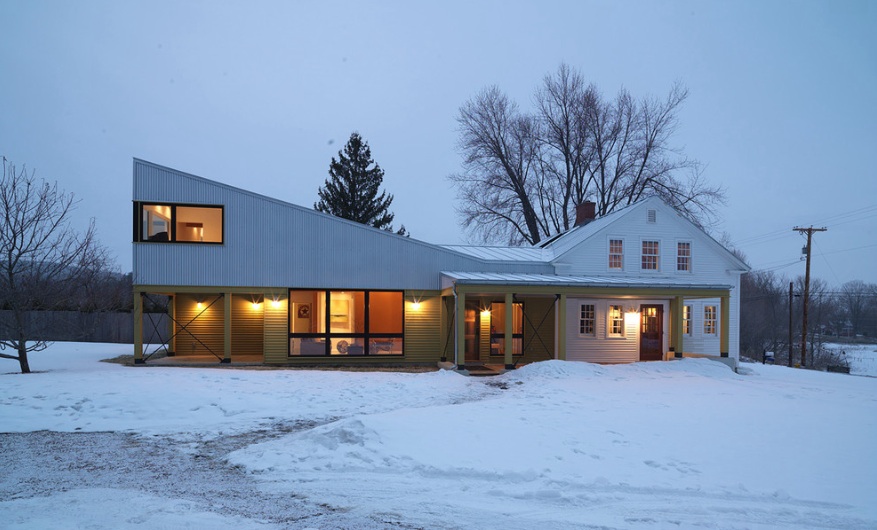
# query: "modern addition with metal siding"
249,278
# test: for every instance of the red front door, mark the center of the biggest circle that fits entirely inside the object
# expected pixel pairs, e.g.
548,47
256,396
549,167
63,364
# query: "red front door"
651,338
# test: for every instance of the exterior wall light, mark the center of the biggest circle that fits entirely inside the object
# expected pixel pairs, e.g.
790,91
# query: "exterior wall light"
415,306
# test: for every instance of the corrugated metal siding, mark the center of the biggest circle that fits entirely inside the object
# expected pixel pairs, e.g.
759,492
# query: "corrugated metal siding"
246,326
504,253
206,324
276,330
422,328
269,243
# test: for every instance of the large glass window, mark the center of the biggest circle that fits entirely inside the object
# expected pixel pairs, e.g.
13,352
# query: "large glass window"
346,322
178,223
497,328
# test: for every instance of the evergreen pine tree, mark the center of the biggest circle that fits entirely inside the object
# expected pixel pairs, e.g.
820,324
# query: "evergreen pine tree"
352,189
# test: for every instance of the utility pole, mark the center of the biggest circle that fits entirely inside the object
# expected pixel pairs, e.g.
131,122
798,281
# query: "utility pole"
791,348
809,231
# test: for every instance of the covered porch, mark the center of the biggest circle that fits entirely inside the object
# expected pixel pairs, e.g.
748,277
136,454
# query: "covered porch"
605,320
203,326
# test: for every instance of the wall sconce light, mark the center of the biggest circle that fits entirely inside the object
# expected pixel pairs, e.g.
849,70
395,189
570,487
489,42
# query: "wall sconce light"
257,302
415,305
199,304
275,303
485,313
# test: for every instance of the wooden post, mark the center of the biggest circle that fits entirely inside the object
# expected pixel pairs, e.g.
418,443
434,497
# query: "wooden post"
677,314
726,325
138,328
560,315
507,339
172,326
226,328
460,335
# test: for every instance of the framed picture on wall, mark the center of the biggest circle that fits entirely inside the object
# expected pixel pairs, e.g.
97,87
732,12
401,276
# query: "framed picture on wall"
304,311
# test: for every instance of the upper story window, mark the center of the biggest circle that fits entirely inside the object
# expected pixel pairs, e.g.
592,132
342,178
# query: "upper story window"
178,223
616,254
651,253
683,256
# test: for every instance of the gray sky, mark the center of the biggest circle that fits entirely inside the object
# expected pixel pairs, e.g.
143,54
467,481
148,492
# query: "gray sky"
260,95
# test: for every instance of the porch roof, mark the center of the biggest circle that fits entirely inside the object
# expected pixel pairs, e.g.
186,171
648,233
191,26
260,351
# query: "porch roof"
554,280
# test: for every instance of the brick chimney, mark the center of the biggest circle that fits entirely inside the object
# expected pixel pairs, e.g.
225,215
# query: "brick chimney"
585,213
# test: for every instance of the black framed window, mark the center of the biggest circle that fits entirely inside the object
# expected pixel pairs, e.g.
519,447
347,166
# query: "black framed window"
178,223
346,322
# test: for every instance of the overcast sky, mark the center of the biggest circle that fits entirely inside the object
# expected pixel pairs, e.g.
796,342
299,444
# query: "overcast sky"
260,95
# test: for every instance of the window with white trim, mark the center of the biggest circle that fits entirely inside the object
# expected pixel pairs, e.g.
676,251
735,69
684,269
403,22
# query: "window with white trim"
587,320
650,256
686,320
709,320
616,321
616,254
683,256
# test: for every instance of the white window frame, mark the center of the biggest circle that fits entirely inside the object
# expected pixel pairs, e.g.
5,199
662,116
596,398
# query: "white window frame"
680,256
610,254
593,320
710,320
656,256
610,321
686,322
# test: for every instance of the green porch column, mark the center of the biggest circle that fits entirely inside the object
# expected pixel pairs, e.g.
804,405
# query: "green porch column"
138,328
460,334
726,325
509,341
171,325
226,328
677,305
561,328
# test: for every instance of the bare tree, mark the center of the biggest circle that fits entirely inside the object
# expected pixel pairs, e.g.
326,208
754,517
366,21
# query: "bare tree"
44,263
856,298
524,174
500,170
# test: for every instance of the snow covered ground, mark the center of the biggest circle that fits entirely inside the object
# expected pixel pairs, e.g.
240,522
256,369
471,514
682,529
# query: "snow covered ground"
862,357
685,444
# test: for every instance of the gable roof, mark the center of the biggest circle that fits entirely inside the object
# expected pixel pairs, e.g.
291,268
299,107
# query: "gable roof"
564,243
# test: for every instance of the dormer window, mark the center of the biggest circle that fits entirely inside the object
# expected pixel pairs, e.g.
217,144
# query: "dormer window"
178,223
